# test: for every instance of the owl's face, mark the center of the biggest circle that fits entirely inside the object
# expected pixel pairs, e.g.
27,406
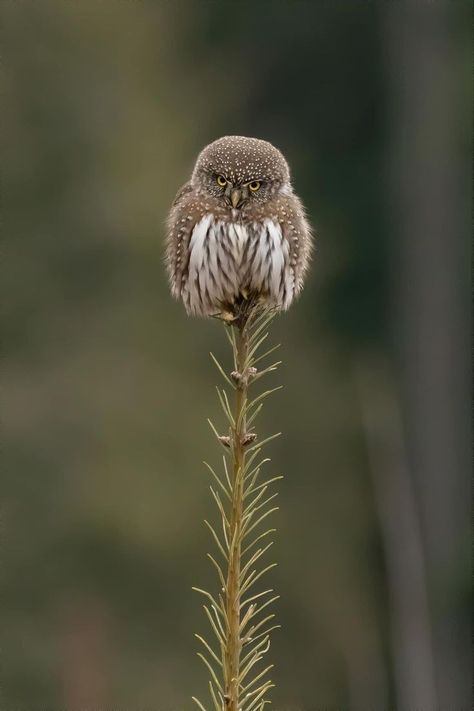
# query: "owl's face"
241,171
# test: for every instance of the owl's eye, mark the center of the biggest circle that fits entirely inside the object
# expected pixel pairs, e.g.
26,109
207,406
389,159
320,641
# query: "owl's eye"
254,186
221,181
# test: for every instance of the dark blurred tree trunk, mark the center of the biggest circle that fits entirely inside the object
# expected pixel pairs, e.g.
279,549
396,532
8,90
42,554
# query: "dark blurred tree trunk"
429,208
410,629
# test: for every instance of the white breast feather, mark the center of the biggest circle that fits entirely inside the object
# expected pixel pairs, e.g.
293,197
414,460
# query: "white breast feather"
226,259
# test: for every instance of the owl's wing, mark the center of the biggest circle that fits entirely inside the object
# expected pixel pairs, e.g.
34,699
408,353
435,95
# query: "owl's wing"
297,231
177,239
184,190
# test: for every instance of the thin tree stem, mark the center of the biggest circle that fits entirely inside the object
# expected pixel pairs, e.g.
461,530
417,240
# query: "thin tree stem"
240,632
234,642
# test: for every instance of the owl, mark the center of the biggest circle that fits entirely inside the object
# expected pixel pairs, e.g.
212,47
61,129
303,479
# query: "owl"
236,231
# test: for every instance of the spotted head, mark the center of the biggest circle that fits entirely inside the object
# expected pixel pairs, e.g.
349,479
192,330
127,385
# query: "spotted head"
241,171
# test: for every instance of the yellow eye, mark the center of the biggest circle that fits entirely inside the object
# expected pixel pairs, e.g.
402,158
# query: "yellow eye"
221,181
254,186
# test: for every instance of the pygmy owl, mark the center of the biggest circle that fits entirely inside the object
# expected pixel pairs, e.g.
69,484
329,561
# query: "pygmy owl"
237,231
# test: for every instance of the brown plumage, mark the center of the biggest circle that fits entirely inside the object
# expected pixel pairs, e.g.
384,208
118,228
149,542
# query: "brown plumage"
237,231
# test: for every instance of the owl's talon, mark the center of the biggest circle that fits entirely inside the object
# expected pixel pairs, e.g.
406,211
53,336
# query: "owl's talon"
227,316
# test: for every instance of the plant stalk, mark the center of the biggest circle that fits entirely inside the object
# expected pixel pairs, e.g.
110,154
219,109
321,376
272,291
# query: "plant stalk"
243,635
234,643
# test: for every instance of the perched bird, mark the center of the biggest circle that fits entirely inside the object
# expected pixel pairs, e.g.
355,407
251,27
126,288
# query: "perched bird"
237,231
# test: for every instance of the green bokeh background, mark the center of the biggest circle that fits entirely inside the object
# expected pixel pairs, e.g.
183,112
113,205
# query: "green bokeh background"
107,384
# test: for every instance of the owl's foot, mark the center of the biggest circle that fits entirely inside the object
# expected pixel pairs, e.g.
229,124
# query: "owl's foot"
238,312
227,316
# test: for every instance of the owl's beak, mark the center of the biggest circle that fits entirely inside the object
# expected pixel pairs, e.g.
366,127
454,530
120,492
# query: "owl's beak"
236,197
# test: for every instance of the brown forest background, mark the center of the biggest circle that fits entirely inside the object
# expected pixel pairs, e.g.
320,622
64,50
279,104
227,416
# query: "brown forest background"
107,384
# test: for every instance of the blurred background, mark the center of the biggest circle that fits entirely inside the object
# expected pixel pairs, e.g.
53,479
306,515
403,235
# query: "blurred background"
107,384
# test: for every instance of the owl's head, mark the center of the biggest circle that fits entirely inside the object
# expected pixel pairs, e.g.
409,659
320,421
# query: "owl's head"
241,170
